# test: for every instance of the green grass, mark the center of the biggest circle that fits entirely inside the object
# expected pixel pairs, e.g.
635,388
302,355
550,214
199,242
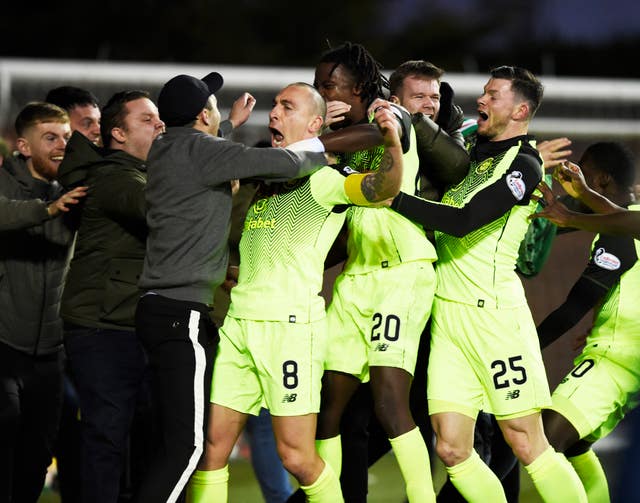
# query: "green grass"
385,484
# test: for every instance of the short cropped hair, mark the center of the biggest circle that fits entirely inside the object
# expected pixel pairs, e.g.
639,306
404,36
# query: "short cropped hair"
69,97
38,112
319,103
523,83
418,67
114,112
612,158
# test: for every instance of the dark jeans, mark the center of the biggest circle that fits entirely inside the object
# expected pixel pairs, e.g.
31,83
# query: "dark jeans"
108,367
30,402
180,340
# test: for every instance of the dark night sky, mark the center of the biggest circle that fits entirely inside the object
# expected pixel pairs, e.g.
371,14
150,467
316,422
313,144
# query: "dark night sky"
591,21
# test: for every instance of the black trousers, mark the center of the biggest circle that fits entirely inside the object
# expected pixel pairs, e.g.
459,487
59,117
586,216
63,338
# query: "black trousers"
30,404
108,367
180,340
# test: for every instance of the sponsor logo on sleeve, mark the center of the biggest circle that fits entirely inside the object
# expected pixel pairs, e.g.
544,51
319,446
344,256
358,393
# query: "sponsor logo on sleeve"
606,260
516,185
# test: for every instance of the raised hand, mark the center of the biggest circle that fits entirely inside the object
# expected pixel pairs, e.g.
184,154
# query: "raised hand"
241,109
335,112
554,152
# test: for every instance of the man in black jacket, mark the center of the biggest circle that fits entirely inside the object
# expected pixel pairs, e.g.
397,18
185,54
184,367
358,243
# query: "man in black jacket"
101,293
34,256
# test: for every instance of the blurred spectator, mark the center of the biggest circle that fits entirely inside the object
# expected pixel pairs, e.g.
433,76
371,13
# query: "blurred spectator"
5,150
82,107
84,116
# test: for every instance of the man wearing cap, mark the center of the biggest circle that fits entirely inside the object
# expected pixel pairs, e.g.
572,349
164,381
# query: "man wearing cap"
188,198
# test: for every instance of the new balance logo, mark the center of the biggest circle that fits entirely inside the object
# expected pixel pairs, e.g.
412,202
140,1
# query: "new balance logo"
382,347
289,398
511,395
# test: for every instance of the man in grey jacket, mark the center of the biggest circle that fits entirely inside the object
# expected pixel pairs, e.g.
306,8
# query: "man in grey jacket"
188,198
34,256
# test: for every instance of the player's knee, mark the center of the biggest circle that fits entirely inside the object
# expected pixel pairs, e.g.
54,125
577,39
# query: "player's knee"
298,463
328,423
526,445
452,454
559,432
395,418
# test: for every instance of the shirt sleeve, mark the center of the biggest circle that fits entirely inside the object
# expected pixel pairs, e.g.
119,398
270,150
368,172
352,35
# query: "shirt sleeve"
225,160
18,214
513,188
612,256
331,186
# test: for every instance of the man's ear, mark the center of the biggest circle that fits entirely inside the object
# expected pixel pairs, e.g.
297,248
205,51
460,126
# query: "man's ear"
604,179
204,117
394,99
118,134
521,112
315,126
23,147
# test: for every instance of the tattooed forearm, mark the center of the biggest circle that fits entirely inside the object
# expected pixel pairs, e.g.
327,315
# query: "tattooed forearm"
374,185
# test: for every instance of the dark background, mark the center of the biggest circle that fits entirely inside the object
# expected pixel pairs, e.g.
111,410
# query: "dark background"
564,38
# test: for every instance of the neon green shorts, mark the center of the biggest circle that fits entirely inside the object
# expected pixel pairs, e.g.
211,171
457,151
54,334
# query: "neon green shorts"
602,387
277,365
485,359
376,319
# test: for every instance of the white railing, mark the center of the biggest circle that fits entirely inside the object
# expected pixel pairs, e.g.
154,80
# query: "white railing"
18,72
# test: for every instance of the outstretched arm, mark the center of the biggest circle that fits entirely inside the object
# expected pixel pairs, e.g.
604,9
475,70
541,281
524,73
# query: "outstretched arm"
617,221
486,205
611,258
20,214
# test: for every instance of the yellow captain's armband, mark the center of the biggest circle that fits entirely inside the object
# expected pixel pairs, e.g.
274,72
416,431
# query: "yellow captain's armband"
353,188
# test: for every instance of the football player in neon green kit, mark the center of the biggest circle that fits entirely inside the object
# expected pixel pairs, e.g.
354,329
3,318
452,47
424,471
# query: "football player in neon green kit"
603,386
382,299
484,348
273,339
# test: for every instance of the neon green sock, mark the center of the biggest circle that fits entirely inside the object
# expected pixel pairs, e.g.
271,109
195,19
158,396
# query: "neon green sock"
330,449
555,479
326,488
475,480
413,460
591,473
208,486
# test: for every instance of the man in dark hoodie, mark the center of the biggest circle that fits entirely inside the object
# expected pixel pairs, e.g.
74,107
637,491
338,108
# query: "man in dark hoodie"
101,293
34,256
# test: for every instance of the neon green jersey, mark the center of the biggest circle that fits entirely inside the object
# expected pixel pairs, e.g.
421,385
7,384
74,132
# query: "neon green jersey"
380,237
618,319
479,267
287,234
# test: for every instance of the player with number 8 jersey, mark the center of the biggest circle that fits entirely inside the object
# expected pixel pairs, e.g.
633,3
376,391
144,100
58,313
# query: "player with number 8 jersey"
272,342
